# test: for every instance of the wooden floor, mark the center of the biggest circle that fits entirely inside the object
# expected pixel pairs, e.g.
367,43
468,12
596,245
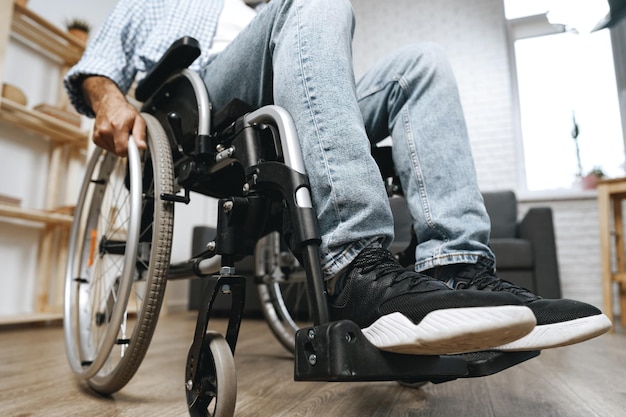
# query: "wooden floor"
584,380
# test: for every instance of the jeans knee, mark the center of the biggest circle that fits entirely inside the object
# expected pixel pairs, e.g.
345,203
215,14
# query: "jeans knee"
341,8
333,14
428,54
423,61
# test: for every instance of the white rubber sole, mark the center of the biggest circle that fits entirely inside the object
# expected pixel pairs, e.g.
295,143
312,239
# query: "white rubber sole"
560,334
449,331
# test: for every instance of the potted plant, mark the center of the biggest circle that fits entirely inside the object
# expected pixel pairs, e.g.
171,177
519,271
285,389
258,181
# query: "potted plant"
590,181
78,28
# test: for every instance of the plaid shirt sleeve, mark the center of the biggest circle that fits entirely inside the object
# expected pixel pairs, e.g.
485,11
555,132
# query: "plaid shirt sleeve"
133,38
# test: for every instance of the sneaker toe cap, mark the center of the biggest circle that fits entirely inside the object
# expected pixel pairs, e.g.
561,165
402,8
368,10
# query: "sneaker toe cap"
549,311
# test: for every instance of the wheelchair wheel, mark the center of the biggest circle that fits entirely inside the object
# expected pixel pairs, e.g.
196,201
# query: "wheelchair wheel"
217,394
119,253
282,289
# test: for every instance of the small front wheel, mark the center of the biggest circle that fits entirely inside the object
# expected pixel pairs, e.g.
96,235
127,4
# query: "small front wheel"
216,393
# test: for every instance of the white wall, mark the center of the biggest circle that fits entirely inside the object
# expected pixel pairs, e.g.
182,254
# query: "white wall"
59,11
473,34
578,244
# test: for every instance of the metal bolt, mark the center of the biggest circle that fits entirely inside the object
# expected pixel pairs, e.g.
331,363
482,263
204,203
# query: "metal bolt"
311,334
227,270
228,206
189,385
211,245
219,147
348,337
226,289
246,188
312,359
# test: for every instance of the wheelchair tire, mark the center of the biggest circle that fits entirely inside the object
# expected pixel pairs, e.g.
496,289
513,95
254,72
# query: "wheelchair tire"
282,289
119,253
217,394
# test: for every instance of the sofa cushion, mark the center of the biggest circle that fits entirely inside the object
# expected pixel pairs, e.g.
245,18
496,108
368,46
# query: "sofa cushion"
502,209
512,253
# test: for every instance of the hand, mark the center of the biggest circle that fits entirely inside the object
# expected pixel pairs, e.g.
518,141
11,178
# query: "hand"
116,118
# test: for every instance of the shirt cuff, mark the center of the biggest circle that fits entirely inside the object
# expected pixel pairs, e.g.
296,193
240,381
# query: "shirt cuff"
75,76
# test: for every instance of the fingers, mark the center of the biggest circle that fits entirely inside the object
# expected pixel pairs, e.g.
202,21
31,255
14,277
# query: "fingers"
113,139
139,132
114,126
106,136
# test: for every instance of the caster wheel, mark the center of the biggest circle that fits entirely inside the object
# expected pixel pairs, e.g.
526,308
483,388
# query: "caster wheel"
216,394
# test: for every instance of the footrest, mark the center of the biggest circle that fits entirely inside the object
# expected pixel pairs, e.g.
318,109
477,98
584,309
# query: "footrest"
485,363
339,351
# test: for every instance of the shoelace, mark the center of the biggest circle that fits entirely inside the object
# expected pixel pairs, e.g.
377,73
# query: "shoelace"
486,280
384,264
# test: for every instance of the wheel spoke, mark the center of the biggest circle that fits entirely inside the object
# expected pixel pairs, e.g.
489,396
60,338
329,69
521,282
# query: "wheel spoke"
110,299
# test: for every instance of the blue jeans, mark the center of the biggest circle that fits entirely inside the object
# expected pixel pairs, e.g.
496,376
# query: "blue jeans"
298,54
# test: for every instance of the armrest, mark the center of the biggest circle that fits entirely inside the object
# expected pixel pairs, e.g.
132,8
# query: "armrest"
537,227
178,56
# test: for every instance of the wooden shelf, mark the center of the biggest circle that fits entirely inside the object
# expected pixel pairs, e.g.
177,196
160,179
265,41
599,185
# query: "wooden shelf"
47,36
31,319
54,129
40,216
60,50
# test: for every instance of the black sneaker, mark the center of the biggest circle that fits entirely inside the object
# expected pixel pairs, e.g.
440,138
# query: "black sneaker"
400,310
560,322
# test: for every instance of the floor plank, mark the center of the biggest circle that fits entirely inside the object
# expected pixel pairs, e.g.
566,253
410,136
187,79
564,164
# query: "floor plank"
584,380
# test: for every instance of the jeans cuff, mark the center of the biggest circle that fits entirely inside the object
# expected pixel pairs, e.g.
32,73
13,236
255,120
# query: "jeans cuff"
455,258
335,263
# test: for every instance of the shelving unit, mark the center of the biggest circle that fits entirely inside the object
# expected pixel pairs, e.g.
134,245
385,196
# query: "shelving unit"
35,32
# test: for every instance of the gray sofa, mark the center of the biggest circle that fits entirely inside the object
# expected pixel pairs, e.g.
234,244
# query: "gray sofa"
525,248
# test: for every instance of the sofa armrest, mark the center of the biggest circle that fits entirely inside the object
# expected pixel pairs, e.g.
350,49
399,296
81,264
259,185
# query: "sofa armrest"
537,227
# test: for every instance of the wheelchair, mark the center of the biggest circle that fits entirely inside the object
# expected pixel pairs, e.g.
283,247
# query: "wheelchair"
121,237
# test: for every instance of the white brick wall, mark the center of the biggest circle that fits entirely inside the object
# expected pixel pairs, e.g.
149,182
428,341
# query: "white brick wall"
578,244
473,34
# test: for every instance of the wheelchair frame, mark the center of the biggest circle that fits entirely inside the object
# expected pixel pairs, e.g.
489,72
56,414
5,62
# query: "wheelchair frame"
251,162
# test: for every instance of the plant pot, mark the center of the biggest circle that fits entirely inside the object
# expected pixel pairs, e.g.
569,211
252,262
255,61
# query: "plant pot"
590,181
79,34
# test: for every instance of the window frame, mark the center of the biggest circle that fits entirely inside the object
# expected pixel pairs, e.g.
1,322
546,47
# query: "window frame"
537,26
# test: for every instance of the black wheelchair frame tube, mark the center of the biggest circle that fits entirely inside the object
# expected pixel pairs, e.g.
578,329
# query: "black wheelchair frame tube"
245,219
291,181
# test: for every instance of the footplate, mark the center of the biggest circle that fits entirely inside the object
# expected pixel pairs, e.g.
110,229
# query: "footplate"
339,351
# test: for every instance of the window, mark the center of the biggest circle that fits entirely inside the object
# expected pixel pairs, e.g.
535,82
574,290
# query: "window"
565,75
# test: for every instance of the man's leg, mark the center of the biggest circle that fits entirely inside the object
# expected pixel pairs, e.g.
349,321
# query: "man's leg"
297,54
413,97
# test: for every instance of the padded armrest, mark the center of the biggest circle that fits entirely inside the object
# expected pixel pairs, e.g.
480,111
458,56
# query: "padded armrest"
537,226
178,56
